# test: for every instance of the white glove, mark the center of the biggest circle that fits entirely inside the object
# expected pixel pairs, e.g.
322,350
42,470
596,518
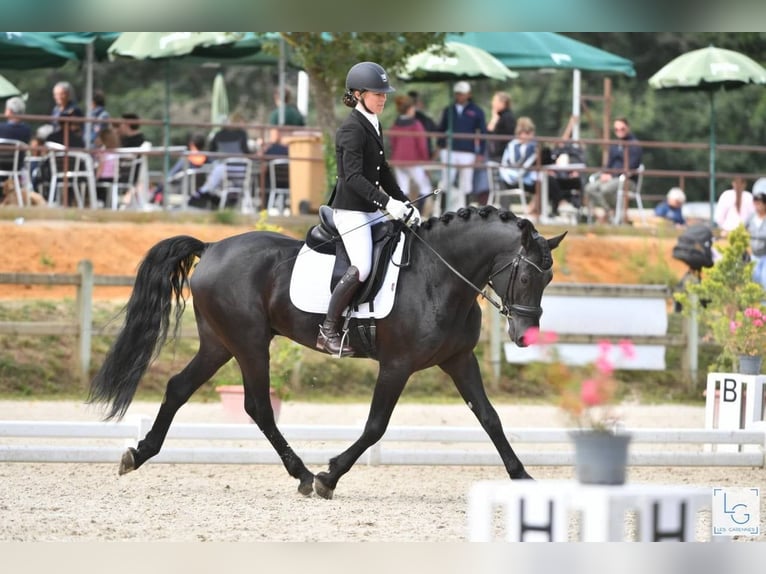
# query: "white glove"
396,209
413,219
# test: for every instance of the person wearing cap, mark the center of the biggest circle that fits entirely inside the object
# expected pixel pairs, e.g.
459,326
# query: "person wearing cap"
365,186
464,117
672,207
756,227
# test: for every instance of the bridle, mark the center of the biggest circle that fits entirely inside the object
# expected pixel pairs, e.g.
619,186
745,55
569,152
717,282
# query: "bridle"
534,312
503,307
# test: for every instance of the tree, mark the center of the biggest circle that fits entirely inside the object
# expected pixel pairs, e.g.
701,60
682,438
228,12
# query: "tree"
326,57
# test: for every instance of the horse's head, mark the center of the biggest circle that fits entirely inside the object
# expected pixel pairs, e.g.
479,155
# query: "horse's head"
520,282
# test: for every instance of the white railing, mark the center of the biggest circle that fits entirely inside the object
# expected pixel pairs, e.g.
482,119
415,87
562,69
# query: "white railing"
23,441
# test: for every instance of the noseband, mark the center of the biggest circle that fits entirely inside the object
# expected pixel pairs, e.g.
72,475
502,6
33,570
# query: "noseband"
514,308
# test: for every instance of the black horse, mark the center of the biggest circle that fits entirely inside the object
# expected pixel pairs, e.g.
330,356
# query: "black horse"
241,300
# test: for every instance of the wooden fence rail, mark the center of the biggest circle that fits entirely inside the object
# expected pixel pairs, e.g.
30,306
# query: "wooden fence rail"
83,327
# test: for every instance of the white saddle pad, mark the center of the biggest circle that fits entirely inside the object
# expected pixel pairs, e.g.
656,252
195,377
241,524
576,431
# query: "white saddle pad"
312,274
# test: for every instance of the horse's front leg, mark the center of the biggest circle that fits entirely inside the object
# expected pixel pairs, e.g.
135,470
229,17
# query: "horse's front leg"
388,388
464,370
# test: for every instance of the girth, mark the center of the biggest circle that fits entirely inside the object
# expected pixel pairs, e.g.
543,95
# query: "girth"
325,238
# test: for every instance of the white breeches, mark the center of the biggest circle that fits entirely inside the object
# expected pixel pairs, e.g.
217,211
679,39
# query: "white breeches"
354,229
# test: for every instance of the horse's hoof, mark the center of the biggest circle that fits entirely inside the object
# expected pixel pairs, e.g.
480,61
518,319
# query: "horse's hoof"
128,462
321,488
306,486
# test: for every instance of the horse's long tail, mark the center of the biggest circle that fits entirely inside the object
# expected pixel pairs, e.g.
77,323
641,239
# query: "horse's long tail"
160,279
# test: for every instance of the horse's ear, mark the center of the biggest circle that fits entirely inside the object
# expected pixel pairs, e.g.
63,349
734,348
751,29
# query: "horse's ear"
528,233
553,242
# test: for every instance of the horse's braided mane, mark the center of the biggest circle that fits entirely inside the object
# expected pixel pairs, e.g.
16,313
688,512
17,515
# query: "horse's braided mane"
465,213
484,212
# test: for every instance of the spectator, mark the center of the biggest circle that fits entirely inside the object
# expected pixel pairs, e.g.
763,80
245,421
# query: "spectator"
292,115
65,103
756,227
195,157
228,140
35,161
107,161
501,122
13,128
734,207
428,124
98,112
68,133
465,118
602,189
671,209
409,146
275,149
130,131
517,166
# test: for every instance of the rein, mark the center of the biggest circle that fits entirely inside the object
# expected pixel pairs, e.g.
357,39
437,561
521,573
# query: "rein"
501,306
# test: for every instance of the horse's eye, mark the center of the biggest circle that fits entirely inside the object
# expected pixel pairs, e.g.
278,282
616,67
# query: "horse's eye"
524,279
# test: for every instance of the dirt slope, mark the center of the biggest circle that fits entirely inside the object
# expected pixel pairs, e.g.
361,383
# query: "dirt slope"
116,248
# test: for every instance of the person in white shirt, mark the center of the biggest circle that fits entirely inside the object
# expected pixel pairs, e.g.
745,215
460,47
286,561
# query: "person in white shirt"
734,207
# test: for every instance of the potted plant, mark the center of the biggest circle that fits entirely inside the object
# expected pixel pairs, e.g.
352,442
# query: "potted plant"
721,298
587,395
285,359
747,338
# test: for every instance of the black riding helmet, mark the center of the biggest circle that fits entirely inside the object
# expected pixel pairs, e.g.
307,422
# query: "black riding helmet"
366,77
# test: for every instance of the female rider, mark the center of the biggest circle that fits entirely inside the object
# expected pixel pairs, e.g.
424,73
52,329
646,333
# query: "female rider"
365,185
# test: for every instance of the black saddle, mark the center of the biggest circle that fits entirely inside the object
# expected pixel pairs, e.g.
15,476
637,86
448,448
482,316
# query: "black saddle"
324,238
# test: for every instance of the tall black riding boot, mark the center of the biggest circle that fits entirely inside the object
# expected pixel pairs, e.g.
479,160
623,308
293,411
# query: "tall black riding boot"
330,339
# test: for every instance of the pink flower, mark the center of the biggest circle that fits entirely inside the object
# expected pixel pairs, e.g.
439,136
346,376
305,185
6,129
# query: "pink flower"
627,349
589,393
534,336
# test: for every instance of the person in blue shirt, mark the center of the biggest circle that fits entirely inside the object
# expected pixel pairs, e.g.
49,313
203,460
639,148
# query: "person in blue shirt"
465,118
672,207
602,190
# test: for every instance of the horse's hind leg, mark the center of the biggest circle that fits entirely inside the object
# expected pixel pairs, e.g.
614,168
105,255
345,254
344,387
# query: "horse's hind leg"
210,357
464,370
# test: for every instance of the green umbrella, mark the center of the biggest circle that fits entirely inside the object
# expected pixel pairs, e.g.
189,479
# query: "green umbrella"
545,50
169,45
25,50
548,50
161,45
456,61
709,70
7,89
219,105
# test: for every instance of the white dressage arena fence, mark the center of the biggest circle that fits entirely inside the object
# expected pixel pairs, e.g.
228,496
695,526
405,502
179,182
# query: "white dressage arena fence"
207,443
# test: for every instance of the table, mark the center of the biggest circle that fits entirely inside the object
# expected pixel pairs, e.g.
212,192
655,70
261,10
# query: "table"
544,198
540,510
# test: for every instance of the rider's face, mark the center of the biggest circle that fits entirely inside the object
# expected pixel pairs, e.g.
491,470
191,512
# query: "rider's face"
375,101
